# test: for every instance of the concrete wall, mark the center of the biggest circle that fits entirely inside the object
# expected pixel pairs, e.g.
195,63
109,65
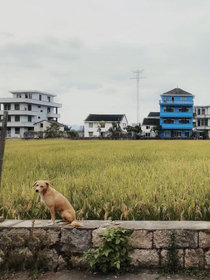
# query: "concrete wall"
60,246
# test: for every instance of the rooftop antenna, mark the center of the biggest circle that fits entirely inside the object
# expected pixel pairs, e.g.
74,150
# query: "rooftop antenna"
137,78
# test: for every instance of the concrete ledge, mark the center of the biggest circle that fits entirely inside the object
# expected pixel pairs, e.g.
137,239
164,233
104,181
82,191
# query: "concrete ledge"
61,245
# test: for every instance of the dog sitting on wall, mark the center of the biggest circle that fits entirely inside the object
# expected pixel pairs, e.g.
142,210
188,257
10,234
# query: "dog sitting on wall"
56,202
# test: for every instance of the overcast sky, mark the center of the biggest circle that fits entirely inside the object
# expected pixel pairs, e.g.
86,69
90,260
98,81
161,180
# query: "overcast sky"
85,52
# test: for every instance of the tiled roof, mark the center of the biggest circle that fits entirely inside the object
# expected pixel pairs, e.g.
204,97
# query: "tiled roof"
154,114
105,118
151,121
177,91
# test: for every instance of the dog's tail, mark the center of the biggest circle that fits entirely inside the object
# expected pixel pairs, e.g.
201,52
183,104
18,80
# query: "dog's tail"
75,224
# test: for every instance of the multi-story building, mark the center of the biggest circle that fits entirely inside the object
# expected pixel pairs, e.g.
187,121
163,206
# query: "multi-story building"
202,120
26,108
97,125
176,113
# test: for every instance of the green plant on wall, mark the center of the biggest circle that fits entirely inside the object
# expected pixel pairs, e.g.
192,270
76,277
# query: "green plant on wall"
172,255
112,254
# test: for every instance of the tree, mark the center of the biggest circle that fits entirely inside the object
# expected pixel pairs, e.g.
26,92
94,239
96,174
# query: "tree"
115,131
157,130
134,131
99,126
53,131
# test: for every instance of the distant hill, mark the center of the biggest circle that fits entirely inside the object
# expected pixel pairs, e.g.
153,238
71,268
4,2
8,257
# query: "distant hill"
75,127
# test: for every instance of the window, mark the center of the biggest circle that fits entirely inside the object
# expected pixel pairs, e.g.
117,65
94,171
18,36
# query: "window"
166,133
90,134
102,125
7,106
17,106
48,98
168,109
147,127
40,97
30,96
168,120
41,124
39,106
203,111
90,125
167,98
26,95
187,134
184,109
9,118
204,122
29,118
177,133
199,111
147,134
183,98
184,121
48,109
18,95
29,107
41,111
17,130
17,118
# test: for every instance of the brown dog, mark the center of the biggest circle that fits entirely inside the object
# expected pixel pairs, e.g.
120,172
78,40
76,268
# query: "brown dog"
56,202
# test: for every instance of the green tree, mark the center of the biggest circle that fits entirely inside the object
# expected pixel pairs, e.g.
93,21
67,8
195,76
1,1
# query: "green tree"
53,131
134,131
115,131
157,130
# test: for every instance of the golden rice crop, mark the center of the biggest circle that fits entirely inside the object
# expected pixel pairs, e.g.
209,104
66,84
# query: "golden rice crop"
128,180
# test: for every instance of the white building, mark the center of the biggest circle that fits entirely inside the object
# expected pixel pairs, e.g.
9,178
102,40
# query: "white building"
26,108
96,125
153,119
44,124
202,119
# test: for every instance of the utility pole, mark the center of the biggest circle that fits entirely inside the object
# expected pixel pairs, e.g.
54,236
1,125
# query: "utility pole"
2,141
137,78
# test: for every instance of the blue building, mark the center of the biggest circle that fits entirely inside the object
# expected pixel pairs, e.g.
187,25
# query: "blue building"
176,113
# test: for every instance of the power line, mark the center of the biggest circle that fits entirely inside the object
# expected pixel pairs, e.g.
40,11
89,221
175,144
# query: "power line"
137,78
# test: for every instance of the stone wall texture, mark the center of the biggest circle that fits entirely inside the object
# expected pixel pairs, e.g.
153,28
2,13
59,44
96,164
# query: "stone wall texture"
60,246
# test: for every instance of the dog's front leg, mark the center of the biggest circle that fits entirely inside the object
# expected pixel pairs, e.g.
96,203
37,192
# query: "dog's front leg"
52,212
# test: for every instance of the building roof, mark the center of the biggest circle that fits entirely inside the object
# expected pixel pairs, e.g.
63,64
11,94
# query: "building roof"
32,92
177,92
60,124
151,121
154,114
104,117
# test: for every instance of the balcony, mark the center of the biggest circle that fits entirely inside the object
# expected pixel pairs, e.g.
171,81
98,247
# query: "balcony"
174,103
53,115
20,112
176,126
176,115
30,101
19,124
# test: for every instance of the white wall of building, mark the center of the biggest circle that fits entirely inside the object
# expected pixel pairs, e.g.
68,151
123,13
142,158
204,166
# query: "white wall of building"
91,129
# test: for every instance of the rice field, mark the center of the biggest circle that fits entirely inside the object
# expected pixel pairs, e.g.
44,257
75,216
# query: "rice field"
127,180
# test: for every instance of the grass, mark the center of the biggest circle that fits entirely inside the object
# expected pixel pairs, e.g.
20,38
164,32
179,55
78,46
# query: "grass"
128,180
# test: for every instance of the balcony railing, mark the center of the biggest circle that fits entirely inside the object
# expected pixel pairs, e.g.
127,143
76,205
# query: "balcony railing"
175,102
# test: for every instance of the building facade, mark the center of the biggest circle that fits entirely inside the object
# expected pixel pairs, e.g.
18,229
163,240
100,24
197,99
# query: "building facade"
26,108
153,119
176,114
202,120
97,125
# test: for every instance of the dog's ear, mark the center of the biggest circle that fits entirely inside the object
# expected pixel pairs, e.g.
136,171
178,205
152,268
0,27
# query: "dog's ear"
48,183
34,184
